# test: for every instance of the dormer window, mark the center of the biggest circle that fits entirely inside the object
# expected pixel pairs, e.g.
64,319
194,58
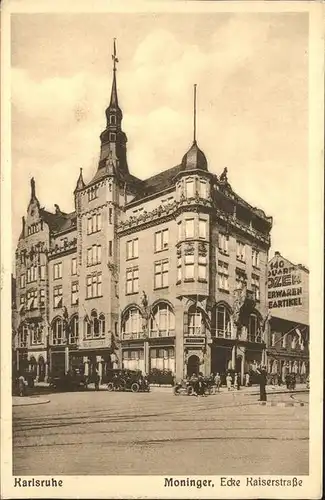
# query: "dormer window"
190,188
112,120
112,136
203,189
92,193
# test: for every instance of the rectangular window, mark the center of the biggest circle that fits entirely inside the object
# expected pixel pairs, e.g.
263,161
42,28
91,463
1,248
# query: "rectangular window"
57,296
189,267
255,258
74,266
202,268
203,189
110,216
189,228
31,274
203,225
190,188
223,240
57,270
179,269
240,251
110,248
22,281
94,286
94,223
132,280
241,279
42,298
74,293
256,286
43,272
31,300
161,274
161,240
223,275
94,255
132,249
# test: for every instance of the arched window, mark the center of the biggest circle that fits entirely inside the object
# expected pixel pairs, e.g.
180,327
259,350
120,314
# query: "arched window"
223,322
57,331
162,321
132,324
195,321
74,330
253,329
95,324
102,324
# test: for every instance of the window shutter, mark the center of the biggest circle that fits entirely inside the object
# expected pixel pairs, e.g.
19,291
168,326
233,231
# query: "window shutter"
185,323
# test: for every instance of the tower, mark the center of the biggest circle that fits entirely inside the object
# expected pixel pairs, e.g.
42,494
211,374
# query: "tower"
113,139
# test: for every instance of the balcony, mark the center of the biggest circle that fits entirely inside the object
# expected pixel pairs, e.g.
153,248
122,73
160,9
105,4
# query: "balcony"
133,336
221,334
161,333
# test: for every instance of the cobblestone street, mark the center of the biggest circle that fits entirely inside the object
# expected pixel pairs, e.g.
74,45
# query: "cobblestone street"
159,433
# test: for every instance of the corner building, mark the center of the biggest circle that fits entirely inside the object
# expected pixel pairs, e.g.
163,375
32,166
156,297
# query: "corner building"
166,273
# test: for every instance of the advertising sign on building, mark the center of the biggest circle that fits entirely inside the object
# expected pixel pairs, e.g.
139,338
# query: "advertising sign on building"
287,289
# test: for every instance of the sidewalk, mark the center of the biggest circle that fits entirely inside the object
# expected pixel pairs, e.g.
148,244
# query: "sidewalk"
28,400
252,390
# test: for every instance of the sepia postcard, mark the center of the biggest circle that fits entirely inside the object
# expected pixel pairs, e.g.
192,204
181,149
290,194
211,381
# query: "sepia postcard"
162,249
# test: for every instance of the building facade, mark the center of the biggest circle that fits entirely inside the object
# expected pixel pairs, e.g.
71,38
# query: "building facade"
288,303
167,273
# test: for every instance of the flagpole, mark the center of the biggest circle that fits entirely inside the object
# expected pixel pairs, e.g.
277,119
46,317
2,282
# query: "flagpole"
194,114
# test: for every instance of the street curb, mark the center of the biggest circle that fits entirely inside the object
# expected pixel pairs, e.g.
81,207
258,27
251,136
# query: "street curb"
28,402
280,403
278,392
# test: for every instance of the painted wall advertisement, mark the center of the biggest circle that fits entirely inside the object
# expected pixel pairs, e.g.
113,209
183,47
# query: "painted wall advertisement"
284,285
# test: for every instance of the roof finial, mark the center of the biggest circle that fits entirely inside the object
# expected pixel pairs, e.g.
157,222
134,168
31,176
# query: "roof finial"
115,59
194,113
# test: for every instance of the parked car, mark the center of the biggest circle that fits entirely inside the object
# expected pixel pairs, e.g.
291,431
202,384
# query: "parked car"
70,381
127,380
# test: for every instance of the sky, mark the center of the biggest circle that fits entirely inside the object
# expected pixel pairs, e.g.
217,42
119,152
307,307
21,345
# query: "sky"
251,72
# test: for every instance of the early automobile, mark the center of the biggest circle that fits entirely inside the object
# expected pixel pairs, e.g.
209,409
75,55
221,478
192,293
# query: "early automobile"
127,380
71,381
194,386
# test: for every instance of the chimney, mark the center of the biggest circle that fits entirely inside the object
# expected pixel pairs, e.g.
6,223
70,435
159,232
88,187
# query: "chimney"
276,253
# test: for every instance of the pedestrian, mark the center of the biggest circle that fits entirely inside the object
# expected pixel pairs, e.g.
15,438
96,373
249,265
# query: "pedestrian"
22,383
236,381
229,381
96,379
217,382
262,380
247,379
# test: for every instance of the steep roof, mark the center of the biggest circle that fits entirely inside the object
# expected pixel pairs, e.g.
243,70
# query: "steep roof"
157,183
59,221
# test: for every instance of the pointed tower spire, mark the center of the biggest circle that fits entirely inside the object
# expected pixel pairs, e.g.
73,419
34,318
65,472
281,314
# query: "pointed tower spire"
114,99
80,182
113,139
32,188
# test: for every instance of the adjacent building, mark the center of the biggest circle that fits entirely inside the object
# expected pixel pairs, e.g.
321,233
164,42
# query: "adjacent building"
167,273
288,303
